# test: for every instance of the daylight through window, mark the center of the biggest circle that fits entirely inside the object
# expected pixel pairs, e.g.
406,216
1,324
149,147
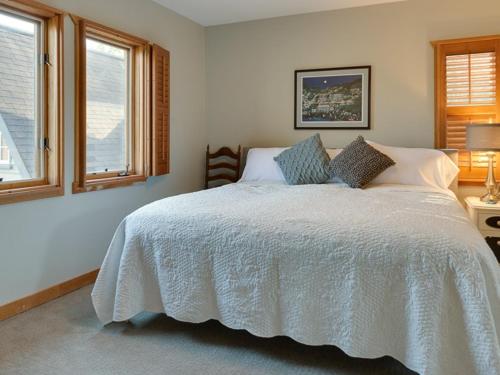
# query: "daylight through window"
21,82
108,107
112,109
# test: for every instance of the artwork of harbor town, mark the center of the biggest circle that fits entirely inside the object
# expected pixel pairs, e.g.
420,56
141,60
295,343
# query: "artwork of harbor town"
332,99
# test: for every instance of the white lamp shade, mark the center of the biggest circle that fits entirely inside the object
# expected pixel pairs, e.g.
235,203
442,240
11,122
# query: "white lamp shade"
483,137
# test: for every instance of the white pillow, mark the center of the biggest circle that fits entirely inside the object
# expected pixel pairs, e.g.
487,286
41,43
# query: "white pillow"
260,165
417,166
333,152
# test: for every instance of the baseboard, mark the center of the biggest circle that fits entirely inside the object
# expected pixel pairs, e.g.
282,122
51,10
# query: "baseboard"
46,295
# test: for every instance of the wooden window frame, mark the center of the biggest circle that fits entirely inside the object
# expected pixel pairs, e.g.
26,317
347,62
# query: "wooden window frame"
140,107
52,182
443,48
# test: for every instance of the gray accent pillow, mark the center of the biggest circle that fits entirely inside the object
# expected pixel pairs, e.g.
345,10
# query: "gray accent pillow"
305,163
359,163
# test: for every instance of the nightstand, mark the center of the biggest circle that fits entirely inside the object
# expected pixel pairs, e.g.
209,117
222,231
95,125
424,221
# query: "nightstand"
487,219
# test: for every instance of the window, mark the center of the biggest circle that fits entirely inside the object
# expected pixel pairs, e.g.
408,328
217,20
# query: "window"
30,101
122,111
112,107
109,146
467,84
21,78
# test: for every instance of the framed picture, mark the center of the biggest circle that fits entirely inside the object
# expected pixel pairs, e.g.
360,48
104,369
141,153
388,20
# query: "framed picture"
333,98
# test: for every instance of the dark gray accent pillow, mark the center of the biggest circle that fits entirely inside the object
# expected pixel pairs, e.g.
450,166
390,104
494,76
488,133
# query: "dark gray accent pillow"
359,163
305,163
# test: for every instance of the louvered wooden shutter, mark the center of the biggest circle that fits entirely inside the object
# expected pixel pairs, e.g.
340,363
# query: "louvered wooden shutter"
456,128
467,92
471,79
470,83
160,103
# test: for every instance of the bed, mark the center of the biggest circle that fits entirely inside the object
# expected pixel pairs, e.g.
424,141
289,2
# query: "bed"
393,269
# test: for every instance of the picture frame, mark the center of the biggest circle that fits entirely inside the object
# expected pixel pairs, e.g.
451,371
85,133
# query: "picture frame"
333,98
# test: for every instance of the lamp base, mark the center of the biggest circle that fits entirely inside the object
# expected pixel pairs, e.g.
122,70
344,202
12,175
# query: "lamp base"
489,198
490,183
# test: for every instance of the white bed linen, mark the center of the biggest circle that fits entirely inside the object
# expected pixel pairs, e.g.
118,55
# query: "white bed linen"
260,165
417,166
389,270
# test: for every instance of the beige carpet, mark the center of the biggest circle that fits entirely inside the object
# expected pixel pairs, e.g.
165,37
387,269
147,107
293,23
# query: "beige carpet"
65,337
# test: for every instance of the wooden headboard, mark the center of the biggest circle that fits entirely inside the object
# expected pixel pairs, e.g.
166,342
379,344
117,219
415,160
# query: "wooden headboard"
451,153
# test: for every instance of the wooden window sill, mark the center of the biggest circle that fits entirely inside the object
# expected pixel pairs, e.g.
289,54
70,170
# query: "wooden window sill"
30,193
107,183
471,182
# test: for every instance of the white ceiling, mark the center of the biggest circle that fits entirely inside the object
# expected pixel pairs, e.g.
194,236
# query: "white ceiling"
218,12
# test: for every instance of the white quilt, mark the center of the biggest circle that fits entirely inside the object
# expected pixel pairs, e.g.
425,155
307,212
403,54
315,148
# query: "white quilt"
390,270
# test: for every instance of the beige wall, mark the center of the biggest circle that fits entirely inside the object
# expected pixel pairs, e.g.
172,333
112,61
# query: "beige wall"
250,68
45,242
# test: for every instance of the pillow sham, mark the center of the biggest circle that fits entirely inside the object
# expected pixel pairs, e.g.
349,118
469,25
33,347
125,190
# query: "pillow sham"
260,165
359,163
305,163
417,166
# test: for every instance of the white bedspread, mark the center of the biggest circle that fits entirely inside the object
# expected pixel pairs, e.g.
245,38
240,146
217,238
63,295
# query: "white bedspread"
390,270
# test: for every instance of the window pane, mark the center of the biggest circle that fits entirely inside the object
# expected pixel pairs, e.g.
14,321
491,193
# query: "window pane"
20,78
4,150
107,107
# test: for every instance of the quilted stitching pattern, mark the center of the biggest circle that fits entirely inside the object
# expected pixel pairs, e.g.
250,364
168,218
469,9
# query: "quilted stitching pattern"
381,271
305,163
359,163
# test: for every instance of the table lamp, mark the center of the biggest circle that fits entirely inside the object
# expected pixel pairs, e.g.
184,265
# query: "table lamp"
486,137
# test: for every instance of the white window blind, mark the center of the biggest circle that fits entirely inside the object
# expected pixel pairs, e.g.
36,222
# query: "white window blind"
471,79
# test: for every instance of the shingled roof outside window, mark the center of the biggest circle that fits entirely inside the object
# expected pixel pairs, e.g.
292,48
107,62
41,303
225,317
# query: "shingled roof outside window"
106,113
107,106
17,102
